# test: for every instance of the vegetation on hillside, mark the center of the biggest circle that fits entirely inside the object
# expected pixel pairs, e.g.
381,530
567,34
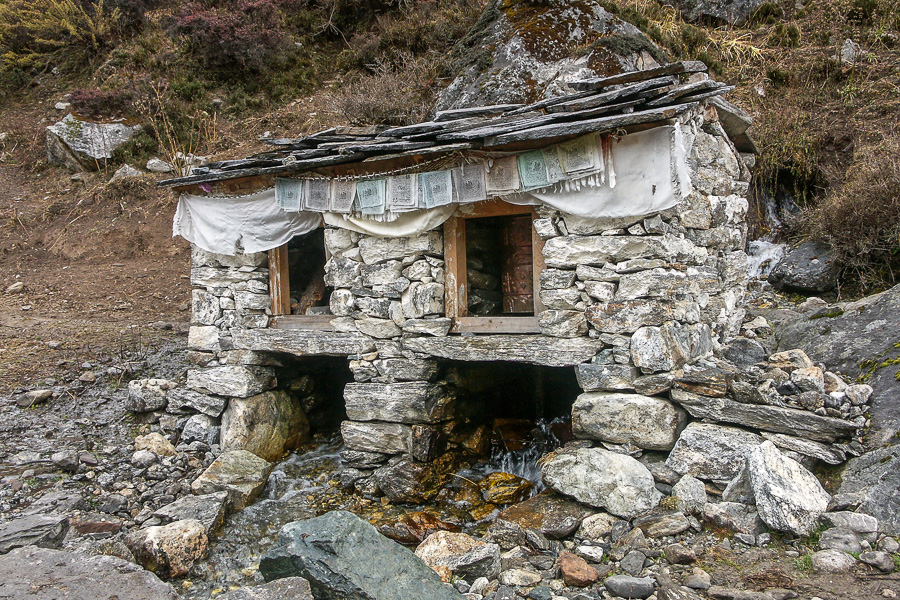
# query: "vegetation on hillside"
208,75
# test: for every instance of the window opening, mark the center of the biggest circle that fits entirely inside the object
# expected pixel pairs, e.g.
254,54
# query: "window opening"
499,266
306,274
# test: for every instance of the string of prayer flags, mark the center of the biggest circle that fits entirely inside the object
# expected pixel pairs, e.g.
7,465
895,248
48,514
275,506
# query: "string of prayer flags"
503,176
468,184
288,193
555,171
578,156
438,187
316,195
533,170
402,193
342,195
370,195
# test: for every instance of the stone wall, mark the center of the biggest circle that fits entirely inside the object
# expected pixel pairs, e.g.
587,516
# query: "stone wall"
634,304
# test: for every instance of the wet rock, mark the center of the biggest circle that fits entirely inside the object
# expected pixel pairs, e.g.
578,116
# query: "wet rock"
414,527
293,588
621,418
334,552
169,550
788,497
267,424
234,381
575,571
625,586
414,482
386,438
832,561
82,145
147,395
45,531
810,268
42,574
691,494
207,509
553,515
708,451
597,477
504,488
880,560
240,473
734,516
156,443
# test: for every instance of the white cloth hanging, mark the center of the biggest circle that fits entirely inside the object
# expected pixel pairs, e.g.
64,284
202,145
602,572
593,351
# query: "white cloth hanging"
230,225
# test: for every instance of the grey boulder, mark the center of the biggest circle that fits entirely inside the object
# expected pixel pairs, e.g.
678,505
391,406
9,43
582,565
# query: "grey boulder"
294,588
81,145
46,531
809,268
345,558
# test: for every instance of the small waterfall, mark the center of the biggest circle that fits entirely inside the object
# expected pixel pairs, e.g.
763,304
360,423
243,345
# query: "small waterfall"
762,256
523,462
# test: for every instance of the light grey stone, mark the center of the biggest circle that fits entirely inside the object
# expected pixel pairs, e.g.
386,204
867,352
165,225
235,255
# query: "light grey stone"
382,273
231,380
82,145
182,400
622,418
734,516
691,493
386,438
157,165
207,509
435,327
406,402
659,348
300,342
625,586
249,300
709,451
557,279
376,250
222,279
240,473
603,479
571,251
467,557
342,272
422,299
205,308
533,349
594,377
832,561
880,560
817,450
204,338
604,291
169,550
789,498
45,531
563,323
404,369
378,328
839,539
663,283
337,239
147,395
857,522
200,428
341,302
589,273
293,588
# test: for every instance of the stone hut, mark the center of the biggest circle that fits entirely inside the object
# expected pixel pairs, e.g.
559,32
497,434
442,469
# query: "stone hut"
579,255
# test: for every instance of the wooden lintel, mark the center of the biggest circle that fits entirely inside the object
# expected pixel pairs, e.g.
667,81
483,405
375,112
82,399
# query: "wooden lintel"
304,322
498,324
492,208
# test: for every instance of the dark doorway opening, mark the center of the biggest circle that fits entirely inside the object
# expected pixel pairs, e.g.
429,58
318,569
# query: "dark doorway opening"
318,384
306,274
500,266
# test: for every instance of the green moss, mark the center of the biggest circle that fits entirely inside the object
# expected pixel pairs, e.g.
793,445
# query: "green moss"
835,312
625,45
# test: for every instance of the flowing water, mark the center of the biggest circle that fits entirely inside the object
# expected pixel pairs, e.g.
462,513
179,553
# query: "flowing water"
306,485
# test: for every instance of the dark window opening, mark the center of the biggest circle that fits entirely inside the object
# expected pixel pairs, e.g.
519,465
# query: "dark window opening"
317,383
306,274
499,266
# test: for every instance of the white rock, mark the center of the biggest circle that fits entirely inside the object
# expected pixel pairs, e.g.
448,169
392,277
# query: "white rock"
691,493
832,561
603,479
156,165
788,497
621,418
709,451
16,288
124,172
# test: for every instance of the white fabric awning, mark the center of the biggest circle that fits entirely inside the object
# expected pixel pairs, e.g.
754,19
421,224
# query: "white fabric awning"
646,172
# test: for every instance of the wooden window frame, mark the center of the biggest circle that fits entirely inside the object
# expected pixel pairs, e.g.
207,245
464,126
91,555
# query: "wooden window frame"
455,272
280,292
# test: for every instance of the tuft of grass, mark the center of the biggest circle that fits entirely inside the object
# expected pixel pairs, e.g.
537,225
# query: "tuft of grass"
804,563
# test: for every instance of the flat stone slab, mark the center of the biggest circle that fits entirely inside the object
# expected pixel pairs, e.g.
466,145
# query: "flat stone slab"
791,421
301,342
240,473
408,402
46,531
43,574
532,349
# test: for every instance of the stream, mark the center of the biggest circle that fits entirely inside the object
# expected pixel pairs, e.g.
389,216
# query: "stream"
306,484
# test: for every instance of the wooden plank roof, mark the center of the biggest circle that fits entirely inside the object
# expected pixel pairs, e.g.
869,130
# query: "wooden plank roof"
600,105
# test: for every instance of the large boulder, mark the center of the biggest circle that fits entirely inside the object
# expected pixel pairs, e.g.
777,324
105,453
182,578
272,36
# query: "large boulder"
169,550
603,479
520,52
809,269
872,480
42,574
240,473
788,497
81,145
208,510
268,424
621,418
711,452
345,558
733,12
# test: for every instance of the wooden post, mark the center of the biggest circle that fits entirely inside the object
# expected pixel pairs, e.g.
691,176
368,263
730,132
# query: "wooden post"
538,265
456,296
279,282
